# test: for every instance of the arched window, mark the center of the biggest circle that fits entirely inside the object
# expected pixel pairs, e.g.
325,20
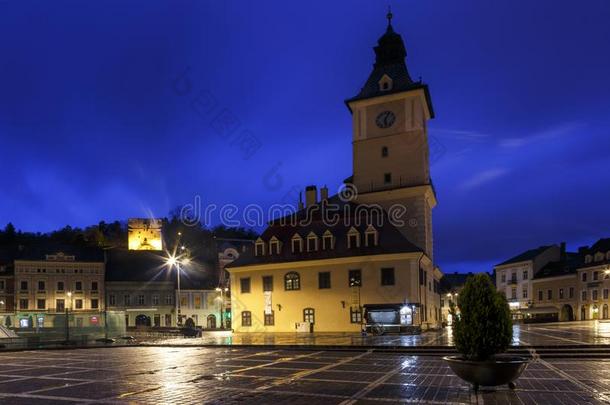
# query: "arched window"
292,281
309,315
312,242
297,243
259,247
328,241
353,238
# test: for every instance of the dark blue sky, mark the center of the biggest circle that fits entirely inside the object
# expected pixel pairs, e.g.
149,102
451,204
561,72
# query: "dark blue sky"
91,127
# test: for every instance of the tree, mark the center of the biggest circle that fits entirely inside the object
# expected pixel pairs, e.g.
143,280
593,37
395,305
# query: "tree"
483,326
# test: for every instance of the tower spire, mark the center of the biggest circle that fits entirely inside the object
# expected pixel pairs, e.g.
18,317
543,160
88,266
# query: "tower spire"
389,16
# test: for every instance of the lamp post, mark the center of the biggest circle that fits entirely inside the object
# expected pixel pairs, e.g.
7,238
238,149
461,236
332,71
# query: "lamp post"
222,305
69,294
171,262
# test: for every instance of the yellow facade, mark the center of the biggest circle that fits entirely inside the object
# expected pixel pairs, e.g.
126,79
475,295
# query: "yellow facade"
331,305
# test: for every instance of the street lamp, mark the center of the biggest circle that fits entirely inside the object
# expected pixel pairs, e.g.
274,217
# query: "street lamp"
222,302
69,294
171,262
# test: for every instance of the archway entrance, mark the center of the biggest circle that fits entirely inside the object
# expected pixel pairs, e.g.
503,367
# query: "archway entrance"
567,313
211,321
595,312
142,320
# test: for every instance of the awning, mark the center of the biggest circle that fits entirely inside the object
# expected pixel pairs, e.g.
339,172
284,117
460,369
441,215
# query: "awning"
541,310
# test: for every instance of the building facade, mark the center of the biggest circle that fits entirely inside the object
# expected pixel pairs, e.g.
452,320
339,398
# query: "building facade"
56,283
360,270
593,281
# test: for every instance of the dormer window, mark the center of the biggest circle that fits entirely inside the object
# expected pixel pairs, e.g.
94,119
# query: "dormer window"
312,242
599,256
297,243
588,259
385,83
371,236
274,246
353,239
328,241
259,247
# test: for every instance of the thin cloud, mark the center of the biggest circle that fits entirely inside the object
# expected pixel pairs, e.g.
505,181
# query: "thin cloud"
546,135
482,178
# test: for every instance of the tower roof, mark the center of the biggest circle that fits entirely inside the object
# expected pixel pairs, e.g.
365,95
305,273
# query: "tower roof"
390,54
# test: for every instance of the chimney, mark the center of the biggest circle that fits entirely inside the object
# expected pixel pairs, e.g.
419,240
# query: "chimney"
324,193
311,196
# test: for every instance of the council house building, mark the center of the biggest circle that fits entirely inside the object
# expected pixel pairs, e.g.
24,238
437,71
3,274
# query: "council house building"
366,269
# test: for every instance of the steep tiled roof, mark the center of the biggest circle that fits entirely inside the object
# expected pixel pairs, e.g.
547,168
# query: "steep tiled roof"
525,256
564,267
390,240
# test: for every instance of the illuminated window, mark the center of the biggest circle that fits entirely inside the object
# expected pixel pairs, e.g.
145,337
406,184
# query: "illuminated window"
292,281
246,318
269,318
355,315
354,278
309,315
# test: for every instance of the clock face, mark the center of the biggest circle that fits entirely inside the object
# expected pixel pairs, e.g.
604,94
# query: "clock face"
385,119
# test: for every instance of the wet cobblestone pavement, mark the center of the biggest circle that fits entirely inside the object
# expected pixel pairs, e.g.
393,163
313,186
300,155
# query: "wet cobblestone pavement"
195,375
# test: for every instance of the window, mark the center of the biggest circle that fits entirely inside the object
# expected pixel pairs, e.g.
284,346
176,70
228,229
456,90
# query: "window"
168,320
328,241
595,275
297,244
94,303
267,283
561,293
269,318
94,286
594,295
353,239
274,246
155,300
355,315
78,286
127,300
387,276
41,304
354,278
324,280
525,275
539,295
503,277
549,294
524,293
112,299
169,299
60,305
259,247
513,293
41,286
309,315
141,300
246,318
384,151
78,304
1,284
23,303
312,242
387,178
513,277
197,301
292,281
60,286
584,276
571,292
605,293
244,285
370,236
24,285
583,295
442,303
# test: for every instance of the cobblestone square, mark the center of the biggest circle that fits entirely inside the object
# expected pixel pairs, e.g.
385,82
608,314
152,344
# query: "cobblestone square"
228,375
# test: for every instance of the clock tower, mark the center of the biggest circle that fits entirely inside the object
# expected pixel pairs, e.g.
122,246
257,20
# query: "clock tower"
390,141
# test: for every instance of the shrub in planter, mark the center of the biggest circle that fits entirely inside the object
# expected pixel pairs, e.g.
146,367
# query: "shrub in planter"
483,326
482,329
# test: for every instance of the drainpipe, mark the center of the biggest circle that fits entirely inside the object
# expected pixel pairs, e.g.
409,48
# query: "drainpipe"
419,272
